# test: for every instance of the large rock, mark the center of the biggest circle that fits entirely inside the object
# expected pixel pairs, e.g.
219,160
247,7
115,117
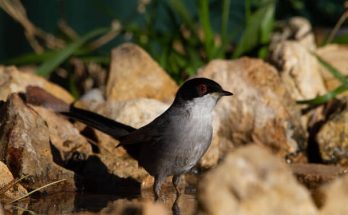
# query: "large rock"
134,74
13,80
332,136
336,197
15,191
260,111
252,181
299,70
26,149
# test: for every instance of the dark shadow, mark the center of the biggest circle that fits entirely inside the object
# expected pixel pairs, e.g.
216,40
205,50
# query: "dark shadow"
97,179
91,135
313,150
96,186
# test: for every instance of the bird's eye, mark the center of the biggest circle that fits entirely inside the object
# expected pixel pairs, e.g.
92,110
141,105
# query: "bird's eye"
202,89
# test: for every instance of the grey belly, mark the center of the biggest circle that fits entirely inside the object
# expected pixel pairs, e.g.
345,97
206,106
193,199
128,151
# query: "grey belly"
176,156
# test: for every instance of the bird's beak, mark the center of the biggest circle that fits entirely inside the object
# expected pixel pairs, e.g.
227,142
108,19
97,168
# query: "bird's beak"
225,93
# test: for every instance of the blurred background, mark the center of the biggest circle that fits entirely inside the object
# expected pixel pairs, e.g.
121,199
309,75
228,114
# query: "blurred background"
72,39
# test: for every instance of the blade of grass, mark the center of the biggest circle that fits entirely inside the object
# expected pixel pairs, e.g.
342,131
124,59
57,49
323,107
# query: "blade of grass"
337,74
266,29
60,56
29,58
252,34
324,98
247,11
225,18
179,7
204,18
11,184
40,188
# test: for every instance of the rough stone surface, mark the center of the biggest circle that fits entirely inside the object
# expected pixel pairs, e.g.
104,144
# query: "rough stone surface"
332,137
252,181
25,147
16,191
64,136
336,55
336,195
314,176
134,74
260,111
13,80
299,70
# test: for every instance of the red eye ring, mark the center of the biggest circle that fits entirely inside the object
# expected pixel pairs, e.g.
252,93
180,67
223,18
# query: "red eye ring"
202,89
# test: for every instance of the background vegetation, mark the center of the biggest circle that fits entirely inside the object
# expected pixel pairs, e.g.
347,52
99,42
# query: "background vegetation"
182,35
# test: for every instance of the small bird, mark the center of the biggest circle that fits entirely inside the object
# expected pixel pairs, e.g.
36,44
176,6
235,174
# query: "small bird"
175,141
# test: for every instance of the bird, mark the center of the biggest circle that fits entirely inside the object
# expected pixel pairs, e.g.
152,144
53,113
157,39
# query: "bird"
174,142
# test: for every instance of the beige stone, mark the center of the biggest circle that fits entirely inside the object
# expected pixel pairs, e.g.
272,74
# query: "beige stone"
134,74
337,56
16,191
261,109
252,181
299,70
12,80
25,147
336,197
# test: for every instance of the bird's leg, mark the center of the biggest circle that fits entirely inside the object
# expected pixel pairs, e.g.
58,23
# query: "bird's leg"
175,181
157,186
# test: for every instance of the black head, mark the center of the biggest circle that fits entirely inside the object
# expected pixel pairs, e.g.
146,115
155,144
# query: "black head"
198,87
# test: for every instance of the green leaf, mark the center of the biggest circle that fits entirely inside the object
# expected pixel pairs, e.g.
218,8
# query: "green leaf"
325,98
179,7
341,39
204,18
60,56
225,18
29,58
258,29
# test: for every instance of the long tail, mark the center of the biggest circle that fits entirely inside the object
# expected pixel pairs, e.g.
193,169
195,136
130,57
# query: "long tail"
106,125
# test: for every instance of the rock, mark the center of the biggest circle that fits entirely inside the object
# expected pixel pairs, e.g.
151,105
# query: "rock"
299,70
313,176
64,136
335,55
25,147
12,81
93,95
260,111
134,74
336,197
332,137
252,181
15,191
296,29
